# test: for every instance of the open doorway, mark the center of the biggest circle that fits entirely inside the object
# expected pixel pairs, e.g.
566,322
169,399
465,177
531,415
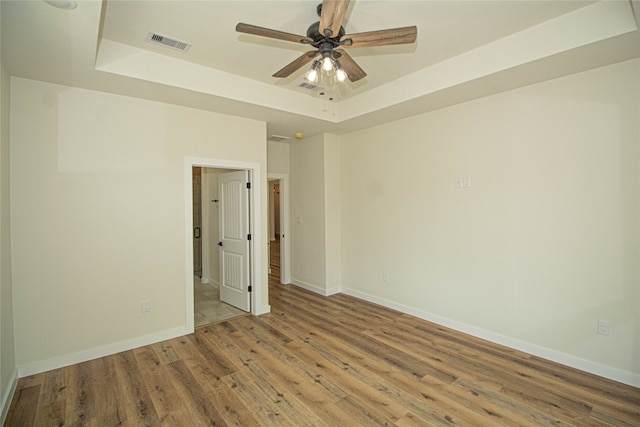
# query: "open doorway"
274,229
203,265
210,304
279,236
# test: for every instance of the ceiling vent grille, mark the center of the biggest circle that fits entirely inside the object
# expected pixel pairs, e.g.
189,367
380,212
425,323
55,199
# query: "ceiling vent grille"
169,42
277,138
309,86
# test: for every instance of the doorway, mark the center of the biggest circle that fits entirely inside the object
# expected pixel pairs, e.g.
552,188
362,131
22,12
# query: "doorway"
274,229
211,304
279,234
208,304
204,284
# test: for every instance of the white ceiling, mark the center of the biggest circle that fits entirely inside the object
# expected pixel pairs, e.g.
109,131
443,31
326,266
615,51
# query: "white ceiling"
464,50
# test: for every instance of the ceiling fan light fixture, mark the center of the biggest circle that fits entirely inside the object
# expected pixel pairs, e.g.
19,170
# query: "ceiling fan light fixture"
327,63
328,37
341,75
312,74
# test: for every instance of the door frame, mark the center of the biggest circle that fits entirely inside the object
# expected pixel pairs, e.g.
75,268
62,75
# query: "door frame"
285,245
255,223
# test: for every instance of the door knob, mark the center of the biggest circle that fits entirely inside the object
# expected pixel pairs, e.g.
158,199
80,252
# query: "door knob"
219,243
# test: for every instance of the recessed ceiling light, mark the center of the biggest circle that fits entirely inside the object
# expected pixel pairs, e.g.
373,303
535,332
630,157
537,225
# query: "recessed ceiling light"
62,4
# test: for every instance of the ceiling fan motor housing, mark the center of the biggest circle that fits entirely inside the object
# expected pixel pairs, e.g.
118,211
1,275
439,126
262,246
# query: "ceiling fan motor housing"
313,32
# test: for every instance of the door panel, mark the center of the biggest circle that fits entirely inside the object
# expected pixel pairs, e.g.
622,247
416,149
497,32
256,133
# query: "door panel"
235,277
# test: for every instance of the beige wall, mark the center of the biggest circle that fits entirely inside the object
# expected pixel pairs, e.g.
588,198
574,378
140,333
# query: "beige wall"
307,214
315,216
546,240
277,163
8,372
98,213
332,209
278,157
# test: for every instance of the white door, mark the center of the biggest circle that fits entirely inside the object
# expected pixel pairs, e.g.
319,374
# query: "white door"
235,262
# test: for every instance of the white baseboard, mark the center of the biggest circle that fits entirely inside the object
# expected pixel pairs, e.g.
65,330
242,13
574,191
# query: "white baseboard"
533,349
7,397
262,310
316,289
209,281
94,353
549,354
333,291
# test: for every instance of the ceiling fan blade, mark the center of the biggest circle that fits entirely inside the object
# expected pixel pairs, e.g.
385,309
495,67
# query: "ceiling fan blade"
382,37
272,34
353,70
332,15
297,64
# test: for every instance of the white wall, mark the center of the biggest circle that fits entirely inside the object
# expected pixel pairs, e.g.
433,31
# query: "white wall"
98,216
315,217
545,242
277,163
332,209
278,157
8,371
308,214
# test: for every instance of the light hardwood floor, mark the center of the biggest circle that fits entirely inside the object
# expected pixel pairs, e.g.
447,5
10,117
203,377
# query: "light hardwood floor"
334,361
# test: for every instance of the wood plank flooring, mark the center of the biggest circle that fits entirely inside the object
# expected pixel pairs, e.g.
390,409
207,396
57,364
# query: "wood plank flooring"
322,361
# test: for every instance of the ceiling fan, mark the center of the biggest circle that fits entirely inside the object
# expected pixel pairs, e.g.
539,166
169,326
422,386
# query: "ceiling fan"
327,37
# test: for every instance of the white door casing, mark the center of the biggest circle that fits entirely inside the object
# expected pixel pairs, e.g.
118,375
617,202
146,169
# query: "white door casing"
259,255
235,272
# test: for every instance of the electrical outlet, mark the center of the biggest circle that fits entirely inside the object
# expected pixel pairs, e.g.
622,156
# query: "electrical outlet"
145,306
385,277
604,327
